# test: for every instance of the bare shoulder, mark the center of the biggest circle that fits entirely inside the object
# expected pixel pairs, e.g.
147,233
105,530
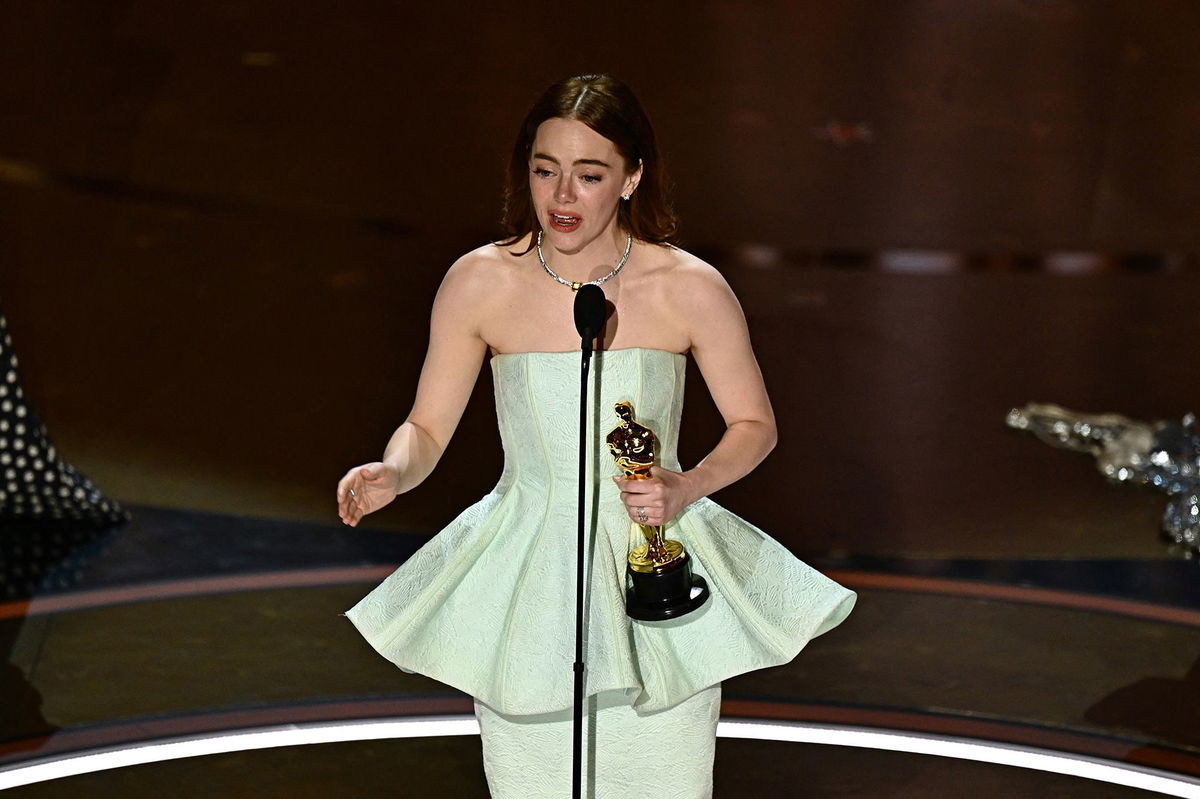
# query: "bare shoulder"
491,261
697,299
691,282
478,274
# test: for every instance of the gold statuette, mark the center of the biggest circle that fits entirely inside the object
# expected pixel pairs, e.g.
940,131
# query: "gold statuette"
662,585
633,447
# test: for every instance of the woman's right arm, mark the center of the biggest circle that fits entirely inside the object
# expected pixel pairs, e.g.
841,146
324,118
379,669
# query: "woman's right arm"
452,362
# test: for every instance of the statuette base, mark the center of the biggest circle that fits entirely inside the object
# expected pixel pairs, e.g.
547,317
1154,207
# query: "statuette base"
666,592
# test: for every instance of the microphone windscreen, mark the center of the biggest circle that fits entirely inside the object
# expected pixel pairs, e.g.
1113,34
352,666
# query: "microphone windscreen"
589,311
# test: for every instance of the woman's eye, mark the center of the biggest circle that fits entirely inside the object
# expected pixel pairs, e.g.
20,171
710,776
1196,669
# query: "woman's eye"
591,178
541,172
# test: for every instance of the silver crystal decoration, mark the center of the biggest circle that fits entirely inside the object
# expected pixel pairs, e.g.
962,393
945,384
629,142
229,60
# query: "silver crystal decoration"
1162,454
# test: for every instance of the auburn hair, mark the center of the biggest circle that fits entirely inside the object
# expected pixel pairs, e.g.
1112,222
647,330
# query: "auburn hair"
607,106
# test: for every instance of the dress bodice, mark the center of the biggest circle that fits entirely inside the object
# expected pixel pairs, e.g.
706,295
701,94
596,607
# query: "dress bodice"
537,406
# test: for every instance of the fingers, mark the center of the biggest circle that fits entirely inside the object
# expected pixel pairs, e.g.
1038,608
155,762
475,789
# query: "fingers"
364,489
645,500
349,509
654,500
651,515
350,500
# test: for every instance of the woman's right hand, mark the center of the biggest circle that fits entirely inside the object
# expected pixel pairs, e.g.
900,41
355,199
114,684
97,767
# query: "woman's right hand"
365,489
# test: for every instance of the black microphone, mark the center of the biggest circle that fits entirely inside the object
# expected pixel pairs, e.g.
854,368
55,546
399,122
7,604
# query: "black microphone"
589,314
590,310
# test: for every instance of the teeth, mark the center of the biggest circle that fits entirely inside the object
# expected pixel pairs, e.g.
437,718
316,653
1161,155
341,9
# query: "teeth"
562,218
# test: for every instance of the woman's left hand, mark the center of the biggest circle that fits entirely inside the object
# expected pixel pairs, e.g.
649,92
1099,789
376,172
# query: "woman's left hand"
657,500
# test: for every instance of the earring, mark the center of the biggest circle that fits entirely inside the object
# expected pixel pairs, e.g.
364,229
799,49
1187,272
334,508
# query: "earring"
626,197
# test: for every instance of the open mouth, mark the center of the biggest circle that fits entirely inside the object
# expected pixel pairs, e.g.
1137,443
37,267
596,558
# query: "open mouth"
564,223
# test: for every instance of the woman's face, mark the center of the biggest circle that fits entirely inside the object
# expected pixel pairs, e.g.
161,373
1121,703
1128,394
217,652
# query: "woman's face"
576,179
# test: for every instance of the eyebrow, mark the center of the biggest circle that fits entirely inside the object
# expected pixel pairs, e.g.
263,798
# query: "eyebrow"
593,161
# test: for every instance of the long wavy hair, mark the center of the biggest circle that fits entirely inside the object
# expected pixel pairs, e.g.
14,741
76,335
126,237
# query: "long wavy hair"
607,106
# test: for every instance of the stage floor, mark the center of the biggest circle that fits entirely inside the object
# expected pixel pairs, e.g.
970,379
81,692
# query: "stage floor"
187,624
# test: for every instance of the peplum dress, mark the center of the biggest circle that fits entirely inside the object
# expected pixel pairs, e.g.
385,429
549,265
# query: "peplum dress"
488,605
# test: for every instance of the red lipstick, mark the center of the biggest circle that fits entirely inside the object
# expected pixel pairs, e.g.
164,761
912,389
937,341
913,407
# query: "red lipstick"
564,221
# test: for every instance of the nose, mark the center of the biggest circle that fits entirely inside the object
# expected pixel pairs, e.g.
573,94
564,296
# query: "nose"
564,192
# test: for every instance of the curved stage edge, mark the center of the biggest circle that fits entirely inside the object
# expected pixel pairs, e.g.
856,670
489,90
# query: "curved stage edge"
98,747
1090,758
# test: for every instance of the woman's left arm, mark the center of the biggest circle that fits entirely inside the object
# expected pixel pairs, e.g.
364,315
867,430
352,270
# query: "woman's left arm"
720,343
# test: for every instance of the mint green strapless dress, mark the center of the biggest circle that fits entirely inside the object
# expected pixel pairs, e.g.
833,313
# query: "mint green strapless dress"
488,605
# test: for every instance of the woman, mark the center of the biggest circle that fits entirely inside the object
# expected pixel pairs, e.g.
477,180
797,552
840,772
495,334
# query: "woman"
487,606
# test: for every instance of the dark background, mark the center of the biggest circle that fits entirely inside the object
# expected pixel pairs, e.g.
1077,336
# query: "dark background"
222,224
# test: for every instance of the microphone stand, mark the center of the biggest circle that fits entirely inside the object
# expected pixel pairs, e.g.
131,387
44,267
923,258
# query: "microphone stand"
589,317
577,729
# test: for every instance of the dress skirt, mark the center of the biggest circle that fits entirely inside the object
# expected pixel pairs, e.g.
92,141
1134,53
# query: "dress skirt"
488,607
627,754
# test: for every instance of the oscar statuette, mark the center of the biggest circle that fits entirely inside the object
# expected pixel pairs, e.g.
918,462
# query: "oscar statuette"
661,584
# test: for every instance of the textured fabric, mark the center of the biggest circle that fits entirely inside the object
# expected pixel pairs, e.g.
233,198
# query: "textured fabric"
37,488
627,754
487,606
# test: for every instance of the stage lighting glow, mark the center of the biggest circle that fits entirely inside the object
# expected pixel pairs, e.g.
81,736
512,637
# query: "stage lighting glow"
72,764
136,754
966,749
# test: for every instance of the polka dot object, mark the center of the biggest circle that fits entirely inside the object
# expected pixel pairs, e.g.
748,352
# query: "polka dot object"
36,486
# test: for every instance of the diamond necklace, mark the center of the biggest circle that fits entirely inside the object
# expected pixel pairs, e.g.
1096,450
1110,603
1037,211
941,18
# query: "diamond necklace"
574,286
